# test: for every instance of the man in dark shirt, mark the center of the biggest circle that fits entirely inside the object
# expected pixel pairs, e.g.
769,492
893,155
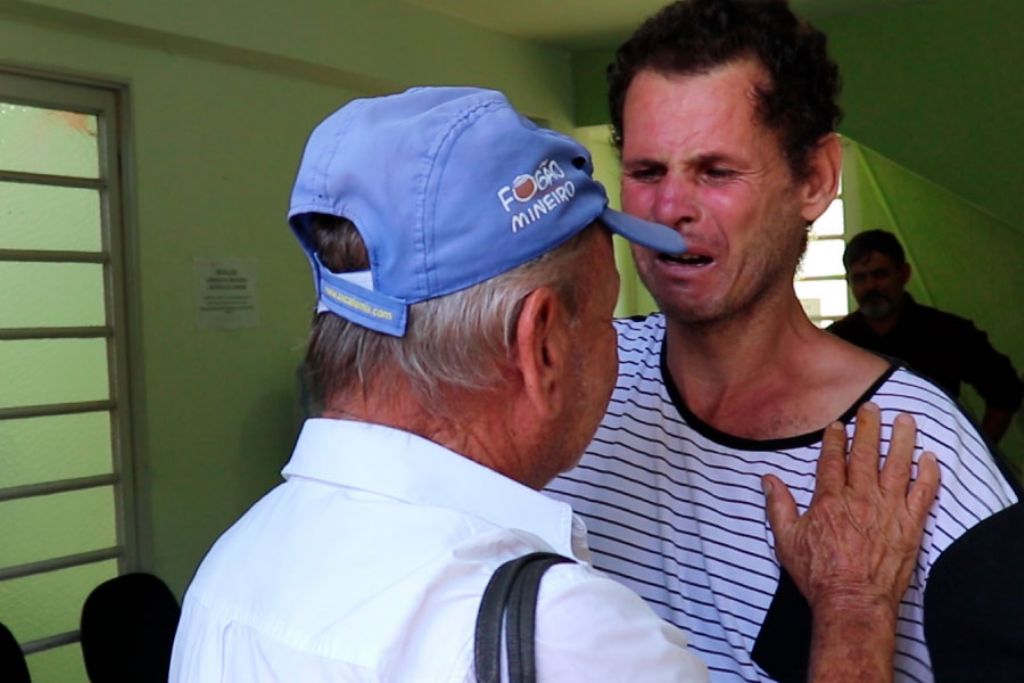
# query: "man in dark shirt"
946,348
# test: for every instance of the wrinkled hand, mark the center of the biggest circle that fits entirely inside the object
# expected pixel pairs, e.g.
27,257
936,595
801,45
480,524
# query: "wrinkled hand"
857,543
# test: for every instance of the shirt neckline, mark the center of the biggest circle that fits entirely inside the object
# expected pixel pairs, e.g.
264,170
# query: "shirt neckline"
408,467
747,444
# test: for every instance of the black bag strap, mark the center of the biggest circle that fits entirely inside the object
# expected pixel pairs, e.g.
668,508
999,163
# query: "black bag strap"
511,597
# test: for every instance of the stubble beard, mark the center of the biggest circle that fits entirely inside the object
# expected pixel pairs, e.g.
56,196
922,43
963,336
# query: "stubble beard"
877,307
774,262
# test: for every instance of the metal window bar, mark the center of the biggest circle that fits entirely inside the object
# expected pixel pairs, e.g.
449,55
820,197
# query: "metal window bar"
44,410
21,333
46,488
54,180
50,642
50,256
77,560
822,278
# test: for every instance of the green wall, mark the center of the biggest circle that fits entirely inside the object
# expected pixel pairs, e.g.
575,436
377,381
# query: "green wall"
932,93
633,296
589,86
935,86
963,259
221,102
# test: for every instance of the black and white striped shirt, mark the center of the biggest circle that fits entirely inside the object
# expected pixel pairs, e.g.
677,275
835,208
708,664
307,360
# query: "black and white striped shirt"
675,511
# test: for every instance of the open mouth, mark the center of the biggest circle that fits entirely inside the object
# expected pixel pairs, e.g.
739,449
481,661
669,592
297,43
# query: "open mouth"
688,259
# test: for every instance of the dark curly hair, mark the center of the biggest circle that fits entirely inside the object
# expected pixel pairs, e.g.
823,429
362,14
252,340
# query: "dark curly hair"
695,36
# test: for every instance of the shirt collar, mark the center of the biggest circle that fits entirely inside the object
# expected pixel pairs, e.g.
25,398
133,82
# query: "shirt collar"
408,467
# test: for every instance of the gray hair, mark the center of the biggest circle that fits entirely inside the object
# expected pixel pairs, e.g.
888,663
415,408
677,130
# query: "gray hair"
458,340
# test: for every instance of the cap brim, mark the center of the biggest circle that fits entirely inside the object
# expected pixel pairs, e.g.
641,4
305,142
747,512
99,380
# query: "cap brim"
651,235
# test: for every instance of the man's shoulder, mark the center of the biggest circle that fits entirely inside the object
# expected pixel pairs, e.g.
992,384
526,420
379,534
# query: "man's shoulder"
849,320
582,611
923,314
851,327
973,476
902,384
904,390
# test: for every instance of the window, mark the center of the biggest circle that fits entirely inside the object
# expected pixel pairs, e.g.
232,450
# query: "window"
821,279
65,437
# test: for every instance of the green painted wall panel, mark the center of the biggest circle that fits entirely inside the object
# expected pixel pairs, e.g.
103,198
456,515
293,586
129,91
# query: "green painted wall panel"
367,45
936,88
50,141
44,217
48,527
59,665
634,299
52,294
590,86
53,371
38,449
220,107
44,604
964,260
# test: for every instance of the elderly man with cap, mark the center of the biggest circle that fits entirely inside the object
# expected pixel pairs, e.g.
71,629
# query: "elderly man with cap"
464,345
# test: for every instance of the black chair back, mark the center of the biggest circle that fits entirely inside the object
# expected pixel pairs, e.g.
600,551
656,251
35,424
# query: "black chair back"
128,626
12,661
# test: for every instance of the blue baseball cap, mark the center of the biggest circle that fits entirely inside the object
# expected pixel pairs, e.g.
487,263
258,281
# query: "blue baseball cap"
448,187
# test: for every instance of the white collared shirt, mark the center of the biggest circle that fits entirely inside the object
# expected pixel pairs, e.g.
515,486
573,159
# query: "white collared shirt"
368,564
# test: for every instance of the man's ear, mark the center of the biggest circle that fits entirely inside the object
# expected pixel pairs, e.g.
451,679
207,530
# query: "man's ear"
905,273
822,183
541,351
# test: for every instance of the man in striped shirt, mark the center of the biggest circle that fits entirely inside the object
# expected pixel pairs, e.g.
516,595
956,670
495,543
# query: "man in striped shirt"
725,115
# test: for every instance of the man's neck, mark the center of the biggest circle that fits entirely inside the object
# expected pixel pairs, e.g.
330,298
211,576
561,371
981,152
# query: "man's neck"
768,374
713,362
881,326
474,424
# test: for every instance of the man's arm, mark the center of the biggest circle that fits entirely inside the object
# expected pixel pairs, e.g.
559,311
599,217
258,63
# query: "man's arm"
852,552
993,376
592,628
995,422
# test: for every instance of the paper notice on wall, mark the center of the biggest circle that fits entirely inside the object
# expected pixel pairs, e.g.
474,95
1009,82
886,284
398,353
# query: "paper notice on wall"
225,293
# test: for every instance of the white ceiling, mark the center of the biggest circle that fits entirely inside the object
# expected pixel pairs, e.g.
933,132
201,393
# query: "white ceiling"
582,24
